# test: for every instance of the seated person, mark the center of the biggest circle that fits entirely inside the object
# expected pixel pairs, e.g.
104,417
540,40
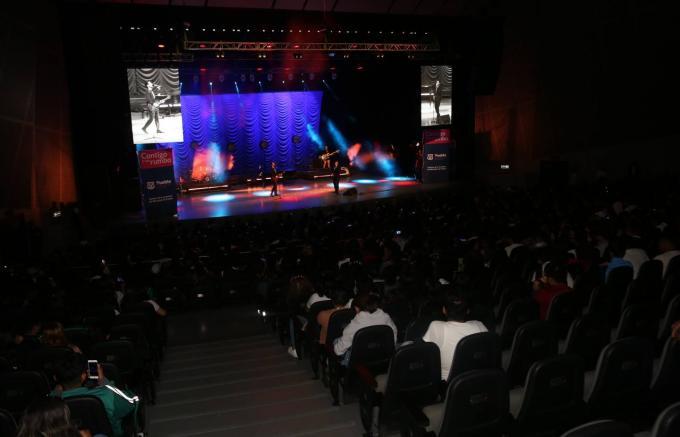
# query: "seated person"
552,283
340,298
53,335
617,251
367,306
48,417
71,376
447,334
668,249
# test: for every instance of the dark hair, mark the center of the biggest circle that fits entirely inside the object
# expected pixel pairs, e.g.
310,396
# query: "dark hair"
339,297
556,271
67,369
47,417
457,308
367,301
617,248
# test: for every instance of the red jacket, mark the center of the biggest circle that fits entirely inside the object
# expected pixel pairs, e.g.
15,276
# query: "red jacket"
544,296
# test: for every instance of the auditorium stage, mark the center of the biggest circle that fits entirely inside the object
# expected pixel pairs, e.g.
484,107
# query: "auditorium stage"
295,194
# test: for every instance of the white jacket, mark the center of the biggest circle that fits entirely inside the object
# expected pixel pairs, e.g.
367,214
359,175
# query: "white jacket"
362,320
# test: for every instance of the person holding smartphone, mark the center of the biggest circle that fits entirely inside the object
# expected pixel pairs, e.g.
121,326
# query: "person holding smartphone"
76,376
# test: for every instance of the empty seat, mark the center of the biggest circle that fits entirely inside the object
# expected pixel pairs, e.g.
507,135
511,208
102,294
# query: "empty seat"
622,378
516,314
638,321
552,400
476,352
88,412
668,422
671,288
476,405
665,388
414,377
600,428
534,341
20,389
8,427
587,336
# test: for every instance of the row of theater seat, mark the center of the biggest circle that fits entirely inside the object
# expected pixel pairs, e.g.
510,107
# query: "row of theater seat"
128,346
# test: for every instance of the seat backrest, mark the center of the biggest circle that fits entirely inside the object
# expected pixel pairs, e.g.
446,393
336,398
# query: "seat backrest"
616,287
639,320
673,267
337,323
8,427
372,347
130,332
119,352
516,314
622,379
668,422
414,376
88,412
671,315
20,389
313,328
587,336
534,341
553,396
601,428
562,311
476,352
666,382
477,403
671,288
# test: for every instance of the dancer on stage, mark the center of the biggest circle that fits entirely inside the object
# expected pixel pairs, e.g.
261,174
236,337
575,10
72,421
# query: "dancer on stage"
275,181
152,107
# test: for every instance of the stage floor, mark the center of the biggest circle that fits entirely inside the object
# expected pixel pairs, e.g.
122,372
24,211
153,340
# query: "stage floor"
295,194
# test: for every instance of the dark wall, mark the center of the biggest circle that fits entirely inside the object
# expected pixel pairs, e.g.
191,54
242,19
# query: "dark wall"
35,157
578,77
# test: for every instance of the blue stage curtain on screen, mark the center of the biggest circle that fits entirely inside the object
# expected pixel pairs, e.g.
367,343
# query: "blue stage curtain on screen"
240,132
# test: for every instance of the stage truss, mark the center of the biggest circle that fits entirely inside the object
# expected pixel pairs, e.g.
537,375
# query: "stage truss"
273,46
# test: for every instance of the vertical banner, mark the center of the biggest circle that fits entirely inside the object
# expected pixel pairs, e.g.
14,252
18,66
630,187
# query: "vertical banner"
157,180
437,149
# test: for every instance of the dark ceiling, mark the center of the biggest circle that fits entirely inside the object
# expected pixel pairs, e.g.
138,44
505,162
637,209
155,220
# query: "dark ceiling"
394,7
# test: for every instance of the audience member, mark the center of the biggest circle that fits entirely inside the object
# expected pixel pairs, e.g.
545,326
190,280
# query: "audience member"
668,249
552,283
71,377
48,417
340,299
53,335
447,334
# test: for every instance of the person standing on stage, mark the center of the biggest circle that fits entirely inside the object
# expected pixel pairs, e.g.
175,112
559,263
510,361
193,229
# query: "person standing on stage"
326,158
151,106
419,163
437,97
275,181
336,177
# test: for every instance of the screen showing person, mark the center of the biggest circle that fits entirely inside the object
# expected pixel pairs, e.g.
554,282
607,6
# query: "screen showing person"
435,95
155,107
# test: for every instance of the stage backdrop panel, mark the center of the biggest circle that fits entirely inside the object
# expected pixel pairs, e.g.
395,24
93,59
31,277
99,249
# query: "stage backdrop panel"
235,134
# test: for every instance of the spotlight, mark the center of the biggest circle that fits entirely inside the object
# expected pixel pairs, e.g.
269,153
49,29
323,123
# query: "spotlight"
161,46
211,84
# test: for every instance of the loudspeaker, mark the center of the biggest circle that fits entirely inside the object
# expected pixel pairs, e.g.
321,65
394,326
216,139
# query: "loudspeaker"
350,192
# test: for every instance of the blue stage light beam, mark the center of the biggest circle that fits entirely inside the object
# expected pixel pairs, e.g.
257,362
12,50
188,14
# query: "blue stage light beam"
338,137
216,162
386,164
314,136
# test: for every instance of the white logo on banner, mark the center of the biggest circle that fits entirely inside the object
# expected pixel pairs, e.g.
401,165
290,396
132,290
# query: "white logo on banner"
150,185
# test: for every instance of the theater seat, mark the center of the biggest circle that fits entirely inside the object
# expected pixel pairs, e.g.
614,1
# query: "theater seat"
533,342
600,428
476,352
476,404
413,380
552,400
668,422
516,314
621,384
8,427
87,412
20,389
665,388
587,336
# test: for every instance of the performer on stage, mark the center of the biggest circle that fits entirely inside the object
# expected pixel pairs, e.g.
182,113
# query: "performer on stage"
275,182
326,158
336,177
437,96
152,107
419,163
